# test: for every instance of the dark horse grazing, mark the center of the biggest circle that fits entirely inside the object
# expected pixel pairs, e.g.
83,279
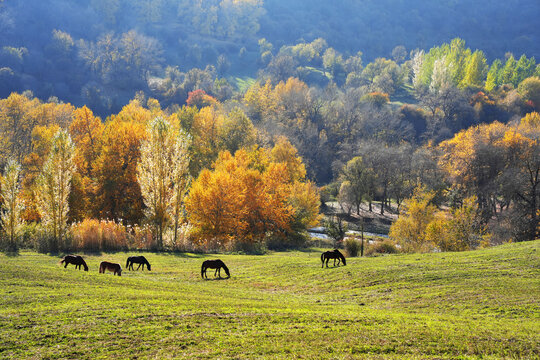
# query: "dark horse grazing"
75,260
141,260
214,264
334,254
114,268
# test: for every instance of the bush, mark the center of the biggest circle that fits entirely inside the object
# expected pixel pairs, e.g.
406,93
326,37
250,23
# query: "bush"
352,245
257,248
99,235
184,242
382,247
295,240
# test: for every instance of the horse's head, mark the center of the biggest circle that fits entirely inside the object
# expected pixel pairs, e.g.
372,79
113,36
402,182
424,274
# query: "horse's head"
226,269
148,265
85,267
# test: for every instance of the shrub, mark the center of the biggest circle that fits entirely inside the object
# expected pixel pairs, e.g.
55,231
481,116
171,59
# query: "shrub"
184,242
142,238
382,247
99,235
352,245
295,240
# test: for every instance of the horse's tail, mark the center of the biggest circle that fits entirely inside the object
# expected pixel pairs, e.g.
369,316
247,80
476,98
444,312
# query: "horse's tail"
127,263
226,269
202,270
322,259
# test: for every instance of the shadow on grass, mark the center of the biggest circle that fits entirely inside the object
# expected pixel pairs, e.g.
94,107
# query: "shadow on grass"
11,253
216,279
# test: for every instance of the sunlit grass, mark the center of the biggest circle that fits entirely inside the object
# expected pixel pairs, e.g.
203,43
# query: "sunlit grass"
241,83
282,305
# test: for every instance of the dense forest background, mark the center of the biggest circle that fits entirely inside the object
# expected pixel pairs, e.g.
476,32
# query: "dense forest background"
427,111
101,52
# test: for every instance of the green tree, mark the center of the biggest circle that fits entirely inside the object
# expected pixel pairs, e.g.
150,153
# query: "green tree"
493,75
355,172
475,70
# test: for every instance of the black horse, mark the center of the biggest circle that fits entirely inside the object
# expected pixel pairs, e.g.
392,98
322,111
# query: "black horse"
334,254
75,260
141,260
214,264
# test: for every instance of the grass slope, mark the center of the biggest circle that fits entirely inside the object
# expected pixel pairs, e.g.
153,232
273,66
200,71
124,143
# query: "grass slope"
480,304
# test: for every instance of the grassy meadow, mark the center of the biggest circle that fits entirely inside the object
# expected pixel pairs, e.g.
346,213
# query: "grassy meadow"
480,304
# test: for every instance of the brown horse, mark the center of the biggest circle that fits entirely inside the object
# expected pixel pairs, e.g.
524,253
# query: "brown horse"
114,268
214,264
334,254
75,260
141,260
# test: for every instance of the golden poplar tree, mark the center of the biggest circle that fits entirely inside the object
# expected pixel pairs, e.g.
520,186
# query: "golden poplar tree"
54,186
162,174
11,217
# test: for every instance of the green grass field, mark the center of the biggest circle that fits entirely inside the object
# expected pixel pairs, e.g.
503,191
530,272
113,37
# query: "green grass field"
480,304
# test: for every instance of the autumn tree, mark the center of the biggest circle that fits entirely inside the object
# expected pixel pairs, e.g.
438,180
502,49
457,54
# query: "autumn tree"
86,131
530,90
457,229
409,230
162,175
118,195
12,206
54,185
252,196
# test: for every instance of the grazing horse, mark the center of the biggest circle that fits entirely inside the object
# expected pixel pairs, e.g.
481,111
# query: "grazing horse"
114,268
75,260
334,254
141,260
214,264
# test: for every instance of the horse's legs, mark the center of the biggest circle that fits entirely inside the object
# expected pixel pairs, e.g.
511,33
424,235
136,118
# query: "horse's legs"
139,267
65,266
204,272
219,272
327,259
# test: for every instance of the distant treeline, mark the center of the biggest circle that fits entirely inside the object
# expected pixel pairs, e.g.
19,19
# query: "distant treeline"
101,52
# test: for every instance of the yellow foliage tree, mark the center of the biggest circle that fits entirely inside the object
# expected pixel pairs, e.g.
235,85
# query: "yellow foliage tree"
250,196
458,229
409,230
118,195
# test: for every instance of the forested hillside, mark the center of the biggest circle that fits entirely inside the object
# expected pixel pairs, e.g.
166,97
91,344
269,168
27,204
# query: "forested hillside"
252,111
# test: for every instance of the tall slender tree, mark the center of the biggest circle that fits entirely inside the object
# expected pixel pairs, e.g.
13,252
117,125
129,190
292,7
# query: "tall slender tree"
12,207
163,174
54,186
